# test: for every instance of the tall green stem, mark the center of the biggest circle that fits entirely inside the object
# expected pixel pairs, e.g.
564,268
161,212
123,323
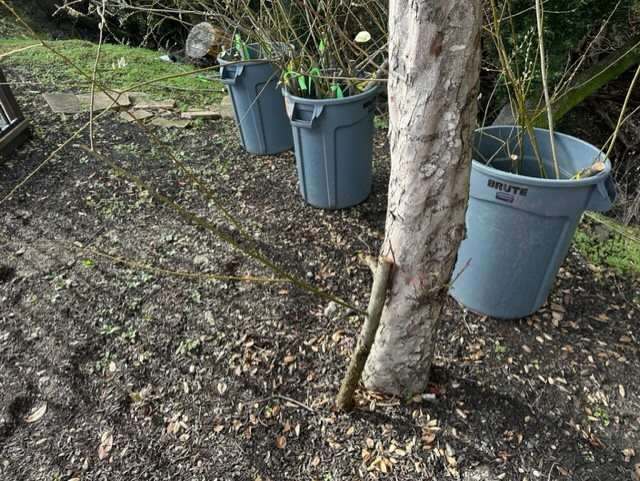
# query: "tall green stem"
545,85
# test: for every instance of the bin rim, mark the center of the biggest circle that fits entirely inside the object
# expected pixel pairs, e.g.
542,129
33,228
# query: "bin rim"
537,181
222,62
368,92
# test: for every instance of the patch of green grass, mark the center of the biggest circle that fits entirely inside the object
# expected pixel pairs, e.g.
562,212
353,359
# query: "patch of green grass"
610,245
381,121
601,414
120,67
500,348
189,346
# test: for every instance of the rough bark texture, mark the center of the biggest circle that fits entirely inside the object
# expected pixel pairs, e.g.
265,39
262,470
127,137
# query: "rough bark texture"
434,60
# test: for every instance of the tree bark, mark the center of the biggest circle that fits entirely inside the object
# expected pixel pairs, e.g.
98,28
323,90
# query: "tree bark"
434,60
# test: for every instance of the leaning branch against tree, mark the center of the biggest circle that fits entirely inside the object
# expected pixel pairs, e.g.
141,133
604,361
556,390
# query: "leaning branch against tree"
381,272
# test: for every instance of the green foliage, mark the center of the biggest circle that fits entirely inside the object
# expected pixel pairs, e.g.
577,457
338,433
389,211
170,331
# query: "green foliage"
325,49
381,121
569,26
88,263
500,348
241,47
601,413
616,250
189,347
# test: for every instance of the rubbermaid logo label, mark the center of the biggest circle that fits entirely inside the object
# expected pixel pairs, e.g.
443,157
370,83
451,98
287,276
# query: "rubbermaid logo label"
507,192
505,197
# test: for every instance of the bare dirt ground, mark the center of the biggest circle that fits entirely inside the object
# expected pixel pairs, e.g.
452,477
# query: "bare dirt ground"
109,372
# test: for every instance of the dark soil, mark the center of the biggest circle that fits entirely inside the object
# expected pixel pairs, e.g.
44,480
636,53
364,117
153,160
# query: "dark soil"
158,377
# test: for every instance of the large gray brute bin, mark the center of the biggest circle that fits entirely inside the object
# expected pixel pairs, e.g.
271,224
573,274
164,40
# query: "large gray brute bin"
333,143
257,103
520,226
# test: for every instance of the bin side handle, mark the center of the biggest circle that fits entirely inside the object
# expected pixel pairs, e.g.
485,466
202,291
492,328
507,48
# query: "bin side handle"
228,75
603,196
302,123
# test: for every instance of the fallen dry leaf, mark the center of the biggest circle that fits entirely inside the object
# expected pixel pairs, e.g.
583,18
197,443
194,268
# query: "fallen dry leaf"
596,442
106,443
628,454
461,413
428,439
556,317
37,413
281,442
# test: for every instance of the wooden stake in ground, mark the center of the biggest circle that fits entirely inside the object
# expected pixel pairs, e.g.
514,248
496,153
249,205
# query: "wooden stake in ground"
205,40
381,273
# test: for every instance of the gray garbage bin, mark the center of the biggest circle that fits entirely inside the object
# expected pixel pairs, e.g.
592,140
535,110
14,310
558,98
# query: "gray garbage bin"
520,226
257,103
333,143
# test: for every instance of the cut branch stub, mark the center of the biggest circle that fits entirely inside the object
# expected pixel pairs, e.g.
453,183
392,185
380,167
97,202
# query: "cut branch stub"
205,40
591,171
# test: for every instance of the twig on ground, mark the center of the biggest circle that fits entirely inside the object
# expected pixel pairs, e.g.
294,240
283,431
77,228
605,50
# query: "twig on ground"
297,403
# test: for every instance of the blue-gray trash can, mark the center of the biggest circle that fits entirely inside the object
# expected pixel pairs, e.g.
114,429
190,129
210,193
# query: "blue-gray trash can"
333,143
258,104
520,226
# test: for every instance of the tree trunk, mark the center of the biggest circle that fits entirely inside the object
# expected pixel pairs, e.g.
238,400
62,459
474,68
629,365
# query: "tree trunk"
434,60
